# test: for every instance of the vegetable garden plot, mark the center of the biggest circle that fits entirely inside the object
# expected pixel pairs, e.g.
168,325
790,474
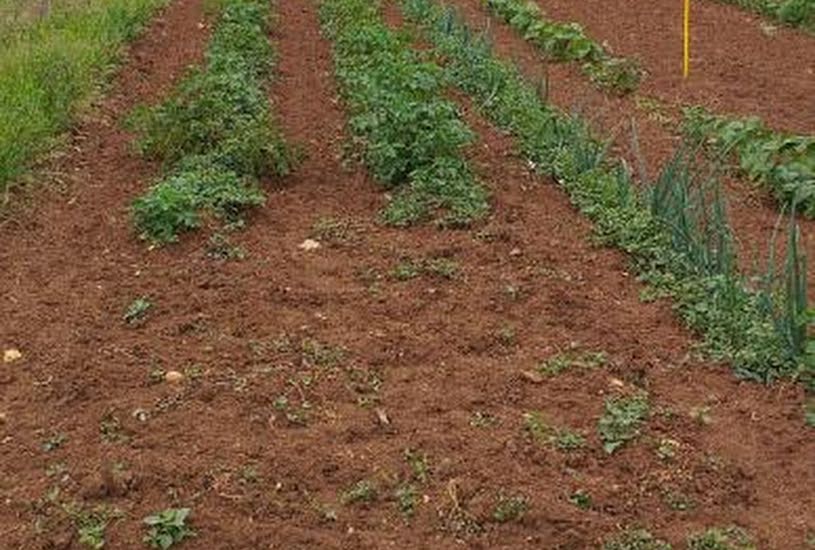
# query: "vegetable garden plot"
495,385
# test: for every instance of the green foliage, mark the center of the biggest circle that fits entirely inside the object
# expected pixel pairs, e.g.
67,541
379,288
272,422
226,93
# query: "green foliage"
581,499
676,231
137,310
90,523
49,67
411,136
729,538
215,132
784,163
636,539
544,434
510,508
362,491
798,13
621,420
568,42
572,360
167,528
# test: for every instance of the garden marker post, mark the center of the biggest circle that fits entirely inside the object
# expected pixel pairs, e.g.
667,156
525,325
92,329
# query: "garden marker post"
686,32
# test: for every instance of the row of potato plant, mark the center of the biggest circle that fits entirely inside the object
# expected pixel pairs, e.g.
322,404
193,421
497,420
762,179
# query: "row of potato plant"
784,163
410,136
674,228
215,133
568,42
797,13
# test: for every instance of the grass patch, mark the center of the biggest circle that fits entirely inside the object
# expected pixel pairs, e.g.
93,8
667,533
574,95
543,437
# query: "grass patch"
362,491
510,508
636,539
411,136
215,133
572,360
728,538
51,65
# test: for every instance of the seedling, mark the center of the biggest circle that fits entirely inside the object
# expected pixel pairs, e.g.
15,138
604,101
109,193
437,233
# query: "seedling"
318,354
332,230
510,508
636,539
481,419
622,420
166,528
572,360
407,499
221,248
362,491
91,524
406,270
544,434
581,499
667,449
54,442
137,310
418,465
441,267
728,538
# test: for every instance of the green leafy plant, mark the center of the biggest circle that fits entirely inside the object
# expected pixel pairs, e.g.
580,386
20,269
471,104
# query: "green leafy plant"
797,13
568,42
728,538
510,508
571,360
581,499
362,491
675,229
782,162
544,434
407,499
635,539
411,136
215,132
137,310
621,420
167,528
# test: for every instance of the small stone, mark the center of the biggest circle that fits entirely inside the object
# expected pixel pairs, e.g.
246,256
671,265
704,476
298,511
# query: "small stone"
382,416
173,376
515,252
11,355
141,415
616,382
3,418
309,244
532,376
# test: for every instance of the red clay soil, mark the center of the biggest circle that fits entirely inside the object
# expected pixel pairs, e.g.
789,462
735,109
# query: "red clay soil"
432,364
753,212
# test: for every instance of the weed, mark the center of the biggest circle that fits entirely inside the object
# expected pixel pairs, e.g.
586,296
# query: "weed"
406,270
544,434
441,267
137,310
571,360
677,501
317,354
90,524
407,499
419,465
506,336
581,499
332,230
621,420
54,442
667,449
362,491
510,508
221,248
481,419
701,415
110,429
168,527
728,538
798,13
636,539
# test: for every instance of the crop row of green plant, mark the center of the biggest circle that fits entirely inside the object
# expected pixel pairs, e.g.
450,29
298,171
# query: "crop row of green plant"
49,66
674,229
798,13
782,162
215,133
568,42
411,136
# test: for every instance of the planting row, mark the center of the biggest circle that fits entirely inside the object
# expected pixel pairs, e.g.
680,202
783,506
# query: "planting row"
410,136
782,162
50,65
798,13
674,228
215,134
568,42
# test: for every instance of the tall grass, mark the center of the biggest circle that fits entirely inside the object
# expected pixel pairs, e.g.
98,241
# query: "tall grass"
50,63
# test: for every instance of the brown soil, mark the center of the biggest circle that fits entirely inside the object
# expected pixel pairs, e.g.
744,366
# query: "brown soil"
753,212
385,365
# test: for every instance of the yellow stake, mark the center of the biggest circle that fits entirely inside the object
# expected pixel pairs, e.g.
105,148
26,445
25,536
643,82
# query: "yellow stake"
686,65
